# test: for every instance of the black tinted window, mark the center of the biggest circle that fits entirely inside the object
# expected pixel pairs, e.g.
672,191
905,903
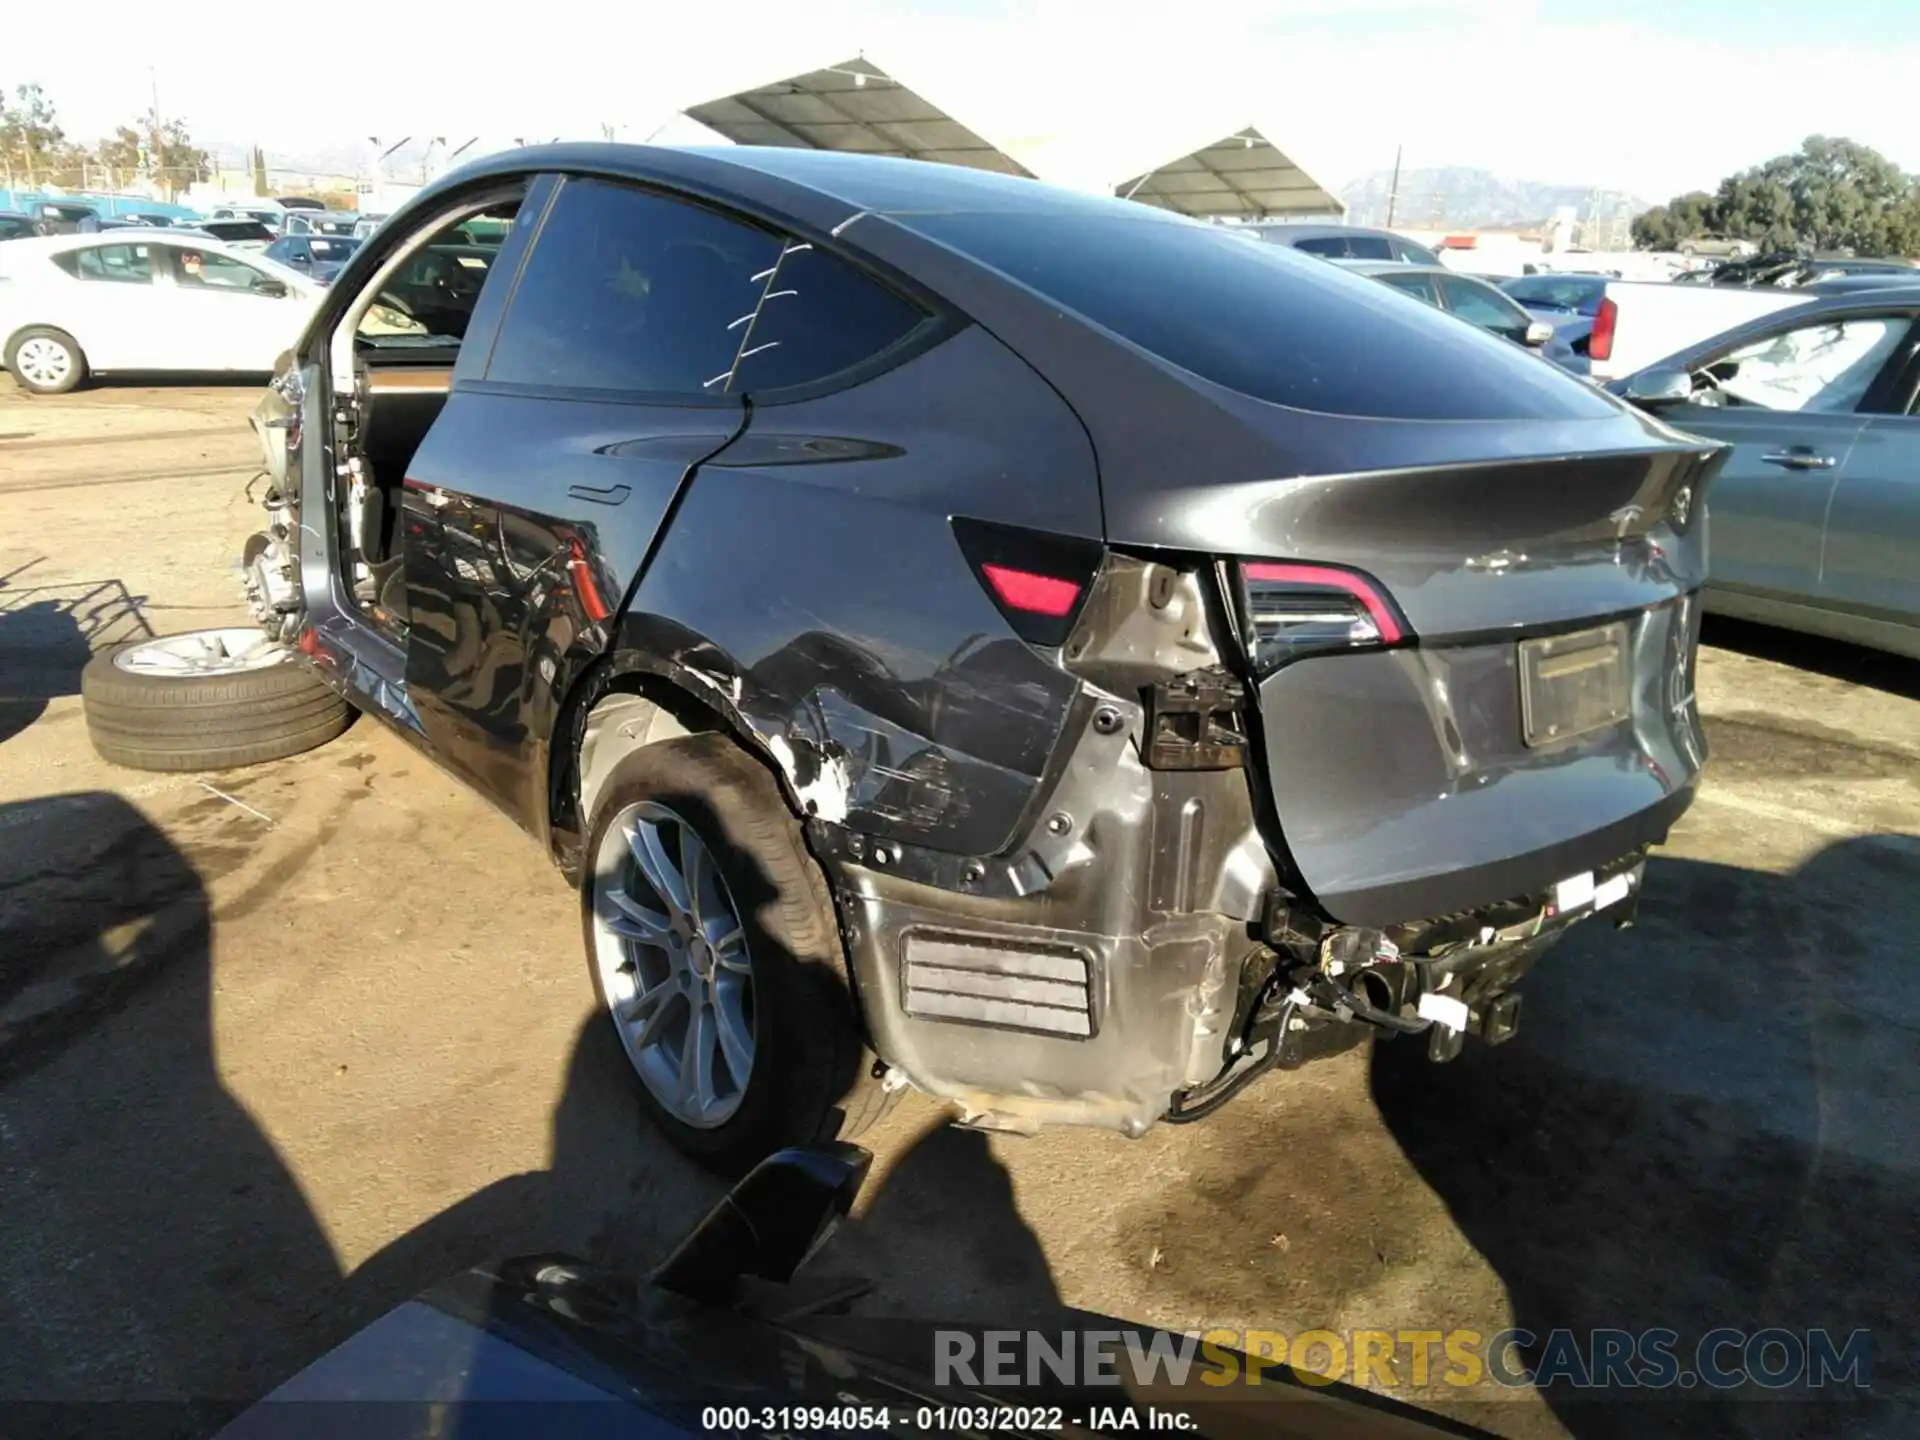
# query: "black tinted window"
1333,246
820,316
1261,320
627,290
1415,254
1369,247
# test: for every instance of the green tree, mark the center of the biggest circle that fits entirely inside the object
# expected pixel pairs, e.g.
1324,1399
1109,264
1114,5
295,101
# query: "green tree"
1830,194
33,147
178,163
122,155
1665,227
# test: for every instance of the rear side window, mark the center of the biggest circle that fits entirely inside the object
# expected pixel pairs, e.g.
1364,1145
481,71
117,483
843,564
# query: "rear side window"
1263,321
1421,287
1334,247
632,291
127,264
1414,254
818,317
1483,305
1369,247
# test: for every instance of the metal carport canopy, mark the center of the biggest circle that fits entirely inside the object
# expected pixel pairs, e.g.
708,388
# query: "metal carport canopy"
854,106
1243,174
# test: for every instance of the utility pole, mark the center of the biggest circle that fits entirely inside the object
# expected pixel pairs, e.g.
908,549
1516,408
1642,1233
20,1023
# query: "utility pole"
1393,190
157,155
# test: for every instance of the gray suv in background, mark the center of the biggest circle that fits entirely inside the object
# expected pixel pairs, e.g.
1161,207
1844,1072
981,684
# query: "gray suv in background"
968,635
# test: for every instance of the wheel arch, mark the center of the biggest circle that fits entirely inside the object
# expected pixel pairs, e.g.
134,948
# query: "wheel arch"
626,700
14,332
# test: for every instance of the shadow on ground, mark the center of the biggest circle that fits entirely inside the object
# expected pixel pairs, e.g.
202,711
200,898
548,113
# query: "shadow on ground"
49,632
1855,664
1709,1120
1705,1121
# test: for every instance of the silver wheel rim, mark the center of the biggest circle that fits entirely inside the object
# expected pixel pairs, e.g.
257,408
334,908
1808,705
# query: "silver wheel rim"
673,964
43,360
201,652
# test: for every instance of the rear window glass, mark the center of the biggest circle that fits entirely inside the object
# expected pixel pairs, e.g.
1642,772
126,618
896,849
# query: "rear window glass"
1264,321
1369,247
1334,246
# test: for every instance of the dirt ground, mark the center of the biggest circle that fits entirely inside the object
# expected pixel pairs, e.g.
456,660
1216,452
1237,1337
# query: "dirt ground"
280,1047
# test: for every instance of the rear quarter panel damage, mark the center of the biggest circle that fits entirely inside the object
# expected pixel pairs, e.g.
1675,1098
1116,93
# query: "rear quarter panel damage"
810,584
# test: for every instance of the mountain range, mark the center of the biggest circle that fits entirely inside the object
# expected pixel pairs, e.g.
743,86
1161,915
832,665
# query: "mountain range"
1459,195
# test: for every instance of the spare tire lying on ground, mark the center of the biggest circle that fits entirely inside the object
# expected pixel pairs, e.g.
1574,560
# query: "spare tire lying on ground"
206,700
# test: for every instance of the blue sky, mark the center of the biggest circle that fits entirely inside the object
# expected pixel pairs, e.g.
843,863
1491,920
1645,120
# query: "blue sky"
1630,94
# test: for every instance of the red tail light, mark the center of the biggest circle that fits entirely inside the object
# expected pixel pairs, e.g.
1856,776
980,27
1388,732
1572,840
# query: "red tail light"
1035,594
1289,610
1600,343
1038,580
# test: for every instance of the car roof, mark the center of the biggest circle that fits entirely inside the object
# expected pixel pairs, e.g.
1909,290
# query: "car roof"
1402,267
1282,231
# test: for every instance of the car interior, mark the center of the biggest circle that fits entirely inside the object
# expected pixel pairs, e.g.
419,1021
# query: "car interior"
405,339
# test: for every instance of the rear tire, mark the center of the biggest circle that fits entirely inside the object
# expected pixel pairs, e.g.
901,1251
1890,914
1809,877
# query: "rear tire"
265,707
811,1076
46,361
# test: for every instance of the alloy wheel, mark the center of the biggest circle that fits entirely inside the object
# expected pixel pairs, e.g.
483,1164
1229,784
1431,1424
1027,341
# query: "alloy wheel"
201,652
672,959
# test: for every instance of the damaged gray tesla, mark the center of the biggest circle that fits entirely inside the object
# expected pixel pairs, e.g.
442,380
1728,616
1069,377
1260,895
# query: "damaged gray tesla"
967,635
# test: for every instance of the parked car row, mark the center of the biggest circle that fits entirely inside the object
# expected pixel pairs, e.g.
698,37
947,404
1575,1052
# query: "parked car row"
245,226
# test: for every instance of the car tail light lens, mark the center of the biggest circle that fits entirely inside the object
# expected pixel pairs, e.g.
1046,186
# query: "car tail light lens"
1038,580
1030,593
1291,610
1600,343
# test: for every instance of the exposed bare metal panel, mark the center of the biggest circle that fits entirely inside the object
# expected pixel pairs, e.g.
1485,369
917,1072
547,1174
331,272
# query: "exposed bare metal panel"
854,106
1244,175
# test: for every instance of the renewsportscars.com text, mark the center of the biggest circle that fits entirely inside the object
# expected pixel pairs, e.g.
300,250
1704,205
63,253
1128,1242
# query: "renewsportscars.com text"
1655,1359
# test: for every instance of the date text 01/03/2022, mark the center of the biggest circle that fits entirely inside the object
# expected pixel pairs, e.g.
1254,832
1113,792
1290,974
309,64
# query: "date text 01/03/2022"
1017,1419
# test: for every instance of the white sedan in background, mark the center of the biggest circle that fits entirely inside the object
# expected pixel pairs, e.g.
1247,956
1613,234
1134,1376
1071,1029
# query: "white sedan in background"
78,305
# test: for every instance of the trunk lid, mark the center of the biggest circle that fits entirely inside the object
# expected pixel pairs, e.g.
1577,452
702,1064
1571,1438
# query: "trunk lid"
1513,705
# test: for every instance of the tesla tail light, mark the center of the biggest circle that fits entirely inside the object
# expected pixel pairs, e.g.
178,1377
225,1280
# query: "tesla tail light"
1039,581
1600,342
1291,610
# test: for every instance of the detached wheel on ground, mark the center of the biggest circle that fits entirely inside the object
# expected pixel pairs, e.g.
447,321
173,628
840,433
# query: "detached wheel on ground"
206,700
713,944
46,361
